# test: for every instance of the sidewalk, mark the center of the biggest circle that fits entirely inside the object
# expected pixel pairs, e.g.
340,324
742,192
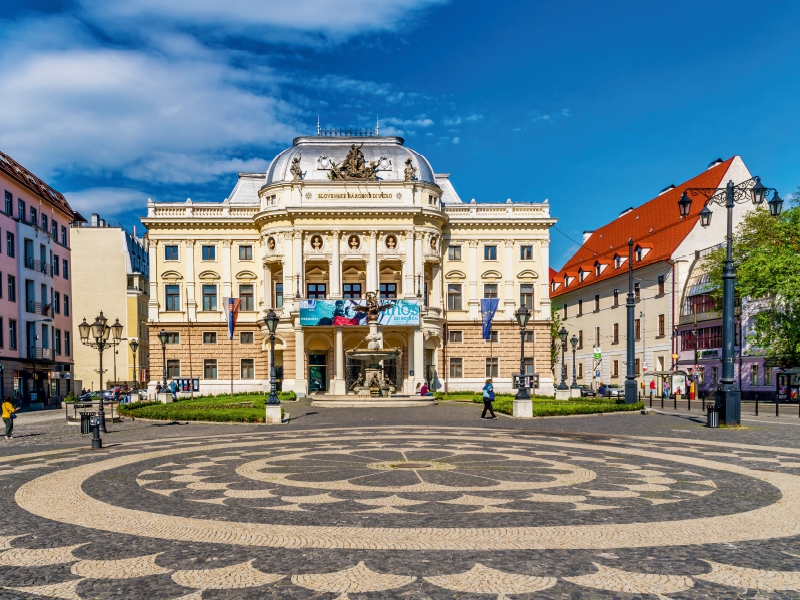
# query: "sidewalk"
788,413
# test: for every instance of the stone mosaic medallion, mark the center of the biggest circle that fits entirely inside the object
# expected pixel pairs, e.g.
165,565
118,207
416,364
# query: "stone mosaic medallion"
402,512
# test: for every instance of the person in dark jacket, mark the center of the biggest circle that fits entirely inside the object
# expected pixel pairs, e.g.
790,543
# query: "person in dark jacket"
488,398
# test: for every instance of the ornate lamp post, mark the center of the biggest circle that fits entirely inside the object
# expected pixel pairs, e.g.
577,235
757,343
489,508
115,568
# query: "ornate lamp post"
574,343
729,395
271,321
630,309
563,335
523,315
134,345
162,337
100,332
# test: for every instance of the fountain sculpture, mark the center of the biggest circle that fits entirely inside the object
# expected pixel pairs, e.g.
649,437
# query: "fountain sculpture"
372,381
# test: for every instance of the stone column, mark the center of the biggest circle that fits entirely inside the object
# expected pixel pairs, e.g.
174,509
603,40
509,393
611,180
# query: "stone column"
288,273
418,265
297,264
300,382
268,302
335,266
152,303
226,269
473,301
419,358
409,280
509,302
339,385
436,284
191,303
373,281
544,280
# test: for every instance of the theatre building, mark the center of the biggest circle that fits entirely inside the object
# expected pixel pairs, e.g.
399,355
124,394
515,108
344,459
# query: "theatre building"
334,217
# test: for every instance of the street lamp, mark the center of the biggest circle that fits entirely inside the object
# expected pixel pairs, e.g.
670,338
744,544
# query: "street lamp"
134,345
523,315
563,335
271,321
630,306
100,332
574,342
729,395
162,337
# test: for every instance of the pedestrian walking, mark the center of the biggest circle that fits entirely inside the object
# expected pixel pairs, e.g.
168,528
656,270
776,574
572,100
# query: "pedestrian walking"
173,387
652,388
488,398
8,416
666,389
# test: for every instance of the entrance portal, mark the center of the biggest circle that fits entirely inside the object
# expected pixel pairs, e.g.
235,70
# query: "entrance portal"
317,373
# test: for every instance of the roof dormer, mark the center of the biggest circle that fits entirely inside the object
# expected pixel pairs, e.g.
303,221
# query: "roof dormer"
599,267
642,250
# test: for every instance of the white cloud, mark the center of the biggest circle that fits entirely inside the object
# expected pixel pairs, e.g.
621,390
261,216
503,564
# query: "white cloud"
421,121
453,121
565,112
456,140
541,118
106,201
474,117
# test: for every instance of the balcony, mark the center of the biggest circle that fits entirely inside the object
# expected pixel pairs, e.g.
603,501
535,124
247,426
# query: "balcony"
37,308
39,266
40,353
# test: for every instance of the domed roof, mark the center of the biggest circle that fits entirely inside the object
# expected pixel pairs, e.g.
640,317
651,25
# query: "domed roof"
318,153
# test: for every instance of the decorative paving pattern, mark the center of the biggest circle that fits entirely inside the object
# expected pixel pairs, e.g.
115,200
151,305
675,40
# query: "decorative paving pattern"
418,513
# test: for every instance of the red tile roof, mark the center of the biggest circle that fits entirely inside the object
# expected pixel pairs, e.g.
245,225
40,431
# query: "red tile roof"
20,174
656,225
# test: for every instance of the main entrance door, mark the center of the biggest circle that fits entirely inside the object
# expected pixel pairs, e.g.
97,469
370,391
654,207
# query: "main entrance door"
317,373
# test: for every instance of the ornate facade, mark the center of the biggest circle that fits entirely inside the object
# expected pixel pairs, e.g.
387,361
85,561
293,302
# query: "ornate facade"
334,218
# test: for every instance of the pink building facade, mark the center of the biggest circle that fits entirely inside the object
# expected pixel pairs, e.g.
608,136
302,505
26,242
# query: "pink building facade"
36,337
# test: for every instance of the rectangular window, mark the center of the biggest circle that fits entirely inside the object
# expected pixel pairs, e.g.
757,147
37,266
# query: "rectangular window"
209,297
580,307
490,290
565,310
526,252
66,343
454,336
246,337
388,290
454,253
58,341
63,236
278,295
453,296
56,263
10,244
171,252
661,324
616,333
9,203
21,210
57,302
173,338
173,368
248,369
637,366
2,333
703,339
637,329
527,364
528,337
209,253
209,337
65,268
701,303
247,298
753,375
596,337
210,368
615,368
246,253
526,295
767,376
44,221
616,297
173,297
316,290
580,370
456,367
66,305
34,216
637,291
54,229
493,367
596,302
352,291
714,375
494,336
12,288
660,284
580,339
12,334
490,253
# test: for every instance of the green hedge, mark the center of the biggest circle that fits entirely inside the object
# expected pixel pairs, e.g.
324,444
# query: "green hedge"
202,409
563,407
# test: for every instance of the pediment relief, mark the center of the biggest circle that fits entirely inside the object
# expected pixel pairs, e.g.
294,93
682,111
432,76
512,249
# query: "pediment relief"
210,275
455,275
352,272
246,275
389,272
528,274
171,275
491,274
316,272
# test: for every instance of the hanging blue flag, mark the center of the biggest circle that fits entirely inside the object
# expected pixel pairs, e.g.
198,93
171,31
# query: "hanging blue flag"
488,308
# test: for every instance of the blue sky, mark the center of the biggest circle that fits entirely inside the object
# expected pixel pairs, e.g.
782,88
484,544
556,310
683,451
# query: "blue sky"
593,105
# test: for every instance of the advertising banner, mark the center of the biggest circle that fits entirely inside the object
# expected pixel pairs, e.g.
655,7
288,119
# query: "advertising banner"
350,313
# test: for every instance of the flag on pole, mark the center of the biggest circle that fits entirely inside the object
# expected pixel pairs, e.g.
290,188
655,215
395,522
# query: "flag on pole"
231,313
488,308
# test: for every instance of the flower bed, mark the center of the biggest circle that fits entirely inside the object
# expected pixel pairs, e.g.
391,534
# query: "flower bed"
218,409
548,407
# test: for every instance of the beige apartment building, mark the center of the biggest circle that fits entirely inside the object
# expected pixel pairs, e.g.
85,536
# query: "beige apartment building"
590,291
334,217
110,270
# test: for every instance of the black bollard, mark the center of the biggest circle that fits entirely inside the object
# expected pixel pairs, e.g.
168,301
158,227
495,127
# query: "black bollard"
756,403
97,443
776,406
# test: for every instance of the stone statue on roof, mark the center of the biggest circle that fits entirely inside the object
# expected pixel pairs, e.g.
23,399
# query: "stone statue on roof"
354,166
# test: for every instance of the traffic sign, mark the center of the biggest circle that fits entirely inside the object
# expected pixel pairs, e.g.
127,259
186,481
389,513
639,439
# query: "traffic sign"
598,354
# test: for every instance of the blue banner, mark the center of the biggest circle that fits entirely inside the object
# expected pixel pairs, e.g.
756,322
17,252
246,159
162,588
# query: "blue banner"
353,313
488,308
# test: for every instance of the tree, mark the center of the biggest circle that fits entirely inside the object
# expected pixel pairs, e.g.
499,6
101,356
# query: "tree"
555,341
766,251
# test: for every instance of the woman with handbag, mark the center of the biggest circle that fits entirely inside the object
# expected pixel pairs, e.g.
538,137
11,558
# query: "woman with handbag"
8,416
488,398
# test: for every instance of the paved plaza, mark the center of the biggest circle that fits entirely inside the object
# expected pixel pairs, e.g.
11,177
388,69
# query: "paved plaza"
403,503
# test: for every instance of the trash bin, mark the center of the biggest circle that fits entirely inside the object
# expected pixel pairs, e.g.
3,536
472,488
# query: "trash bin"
713,416
85,424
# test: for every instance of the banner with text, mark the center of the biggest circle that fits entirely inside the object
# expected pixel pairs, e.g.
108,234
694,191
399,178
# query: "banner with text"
349,313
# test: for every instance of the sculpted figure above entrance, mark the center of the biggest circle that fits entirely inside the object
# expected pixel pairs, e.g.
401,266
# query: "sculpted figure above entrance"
354,167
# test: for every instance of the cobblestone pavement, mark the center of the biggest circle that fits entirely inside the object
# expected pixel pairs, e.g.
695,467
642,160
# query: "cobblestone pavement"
423,503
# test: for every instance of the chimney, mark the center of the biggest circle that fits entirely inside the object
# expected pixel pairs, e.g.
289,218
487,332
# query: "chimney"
587,235
95,219
626,211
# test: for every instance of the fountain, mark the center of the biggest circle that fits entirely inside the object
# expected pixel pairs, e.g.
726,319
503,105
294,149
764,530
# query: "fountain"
372,381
